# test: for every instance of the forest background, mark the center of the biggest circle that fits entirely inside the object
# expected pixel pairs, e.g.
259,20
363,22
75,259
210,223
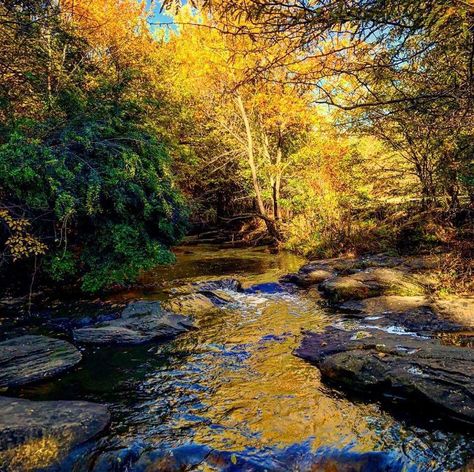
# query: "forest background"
328,128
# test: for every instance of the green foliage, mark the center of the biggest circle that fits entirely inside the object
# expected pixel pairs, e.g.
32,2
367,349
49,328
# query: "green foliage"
97,185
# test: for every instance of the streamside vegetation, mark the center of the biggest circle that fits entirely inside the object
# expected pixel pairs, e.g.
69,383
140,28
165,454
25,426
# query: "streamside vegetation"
324,127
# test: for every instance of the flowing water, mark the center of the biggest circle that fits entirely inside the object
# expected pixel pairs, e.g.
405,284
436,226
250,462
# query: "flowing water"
233,385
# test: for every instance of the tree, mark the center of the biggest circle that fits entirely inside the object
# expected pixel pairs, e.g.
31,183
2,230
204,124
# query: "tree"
85,173
259,121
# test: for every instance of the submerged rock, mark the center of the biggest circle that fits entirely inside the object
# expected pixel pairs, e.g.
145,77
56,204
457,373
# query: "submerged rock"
141,321
38,434
421,371
301,457
32,358
371,283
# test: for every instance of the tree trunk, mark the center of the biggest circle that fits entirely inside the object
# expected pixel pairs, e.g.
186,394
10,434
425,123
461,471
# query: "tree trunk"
251,157
269,222
276,186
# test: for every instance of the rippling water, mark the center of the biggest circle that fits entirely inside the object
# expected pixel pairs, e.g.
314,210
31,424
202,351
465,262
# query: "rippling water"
233,385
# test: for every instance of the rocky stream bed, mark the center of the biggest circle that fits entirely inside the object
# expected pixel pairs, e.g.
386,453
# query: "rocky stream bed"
230,361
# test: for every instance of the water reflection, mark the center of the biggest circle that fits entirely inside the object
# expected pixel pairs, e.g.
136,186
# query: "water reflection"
233,385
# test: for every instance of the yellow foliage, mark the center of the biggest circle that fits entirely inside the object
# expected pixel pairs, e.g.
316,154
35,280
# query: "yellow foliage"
20,243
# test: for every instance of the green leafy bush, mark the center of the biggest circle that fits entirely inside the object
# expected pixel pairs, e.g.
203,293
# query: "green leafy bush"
95,185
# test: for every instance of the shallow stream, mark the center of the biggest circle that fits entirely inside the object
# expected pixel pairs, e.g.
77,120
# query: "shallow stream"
233,384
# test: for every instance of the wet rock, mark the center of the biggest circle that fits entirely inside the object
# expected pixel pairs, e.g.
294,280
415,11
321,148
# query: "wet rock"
208,286
219,297
385,303
141,321
222,284
111,335
38,434
417,314
142,307
318,271
306,278
191,304
32,358
416,370
371,283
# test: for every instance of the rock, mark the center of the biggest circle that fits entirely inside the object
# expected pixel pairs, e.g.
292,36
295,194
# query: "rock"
219,297
141,307
417,314
457,309
110,335
191,304
38,434
316,272
208,286
308,278
32,358
417,370
141,321
385,303
371,283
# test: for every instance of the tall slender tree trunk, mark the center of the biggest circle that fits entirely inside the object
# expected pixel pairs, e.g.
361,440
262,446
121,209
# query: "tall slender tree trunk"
251,156
270,223
276,185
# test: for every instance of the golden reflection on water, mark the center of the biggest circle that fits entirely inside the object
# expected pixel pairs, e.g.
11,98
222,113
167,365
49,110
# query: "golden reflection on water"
233,384
269,397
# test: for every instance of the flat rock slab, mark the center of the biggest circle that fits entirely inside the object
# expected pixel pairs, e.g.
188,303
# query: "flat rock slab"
457,309
29,359
385,303
318,271
141,321
371,283
417,313
141,307
37,434
417,370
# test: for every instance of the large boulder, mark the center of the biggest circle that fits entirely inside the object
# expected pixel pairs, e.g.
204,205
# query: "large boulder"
141,321
27,359
371,283
417,370
38,434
